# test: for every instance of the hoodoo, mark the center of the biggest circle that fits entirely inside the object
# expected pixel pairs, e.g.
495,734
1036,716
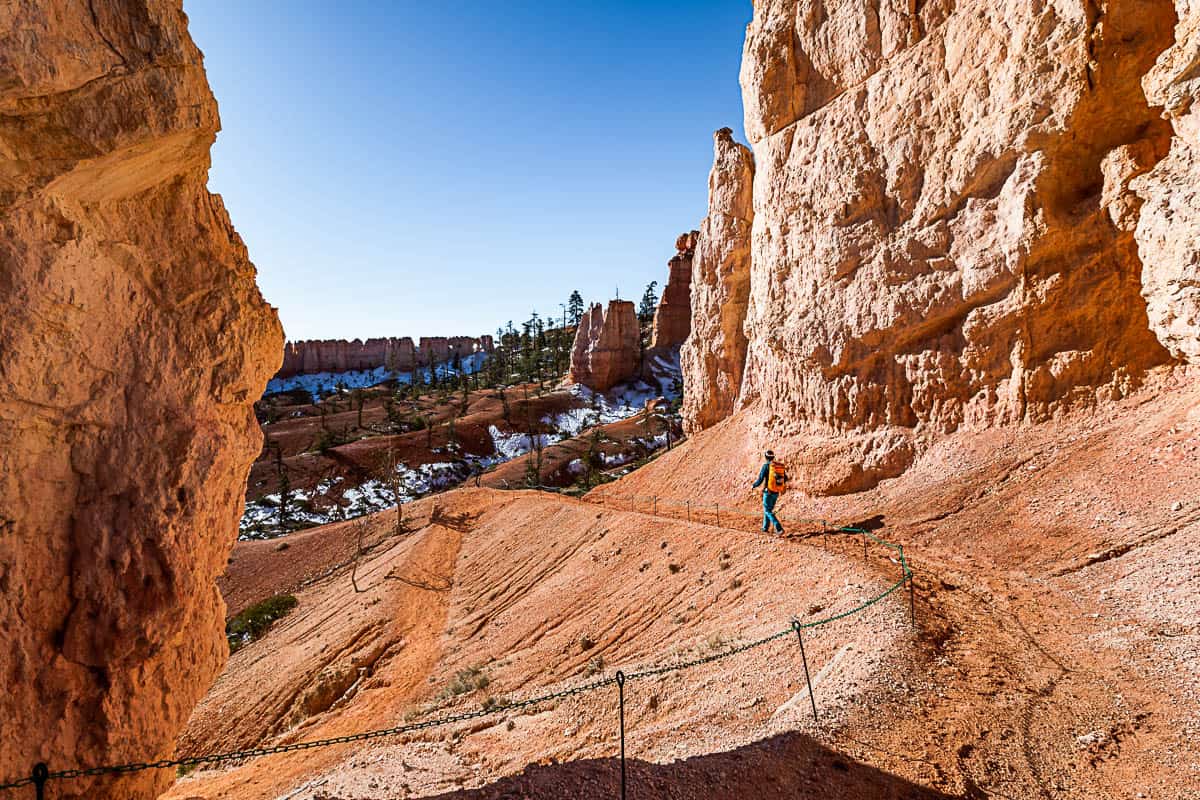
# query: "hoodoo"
673,317
134,342
606,346
714,354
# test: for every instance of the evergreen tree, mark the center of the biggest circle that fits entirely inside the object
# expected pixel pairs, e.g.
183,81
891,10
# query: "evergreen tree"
575,307
648,305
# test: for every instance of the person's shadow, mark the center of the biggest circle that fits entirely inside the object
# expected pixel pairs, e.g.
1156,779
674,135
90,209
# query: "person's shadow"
790,766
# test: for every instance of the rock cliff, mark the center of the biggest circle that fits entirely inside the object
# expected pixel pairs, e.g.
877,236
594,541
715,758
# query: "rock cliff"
673,317
714,355
605,352
133,344
948,205
340,355
1168,228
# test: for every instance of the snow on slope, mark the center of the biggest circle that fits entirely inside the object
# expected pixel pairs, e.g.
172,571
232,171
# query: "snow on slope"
319,384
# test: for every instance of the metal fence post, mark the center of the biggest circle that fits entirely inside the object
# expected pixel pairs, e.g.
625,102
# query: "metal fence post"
689,510
718,515
41,773
804,658
912,603
864,535
621,706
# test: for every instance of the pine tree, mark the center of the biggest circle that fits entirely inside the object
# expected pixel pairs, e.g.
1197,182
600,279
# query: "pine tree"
575,307
648,305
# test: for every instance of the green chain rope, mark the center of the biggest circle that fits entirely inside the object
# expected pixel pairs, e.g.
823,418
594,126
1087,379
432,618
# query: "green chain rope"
216,758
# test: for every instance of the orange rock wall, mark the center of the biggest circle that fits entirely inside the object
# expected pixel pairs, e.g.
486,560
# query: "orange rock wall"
941,229
133,344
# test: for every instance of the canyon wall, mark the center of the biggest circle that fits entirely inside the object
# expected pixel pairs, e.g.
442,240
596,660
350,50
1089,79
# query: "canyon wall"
400,354
1168,227
605,351
133,343
714,354
947,213
673,317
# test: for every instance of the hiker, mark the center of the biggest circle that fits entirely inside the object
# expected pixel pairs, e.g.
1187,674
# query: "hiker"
773,478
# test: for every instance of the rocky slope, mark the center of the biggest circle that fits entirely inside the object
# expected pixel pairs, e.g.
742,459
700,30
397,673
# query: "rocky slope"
398,354
606,350
1055,653
950,231
673,317
134,342
517,587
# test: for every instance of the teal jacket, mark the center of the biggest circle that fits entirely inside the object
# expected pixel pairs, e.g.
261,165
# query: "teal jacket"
762,477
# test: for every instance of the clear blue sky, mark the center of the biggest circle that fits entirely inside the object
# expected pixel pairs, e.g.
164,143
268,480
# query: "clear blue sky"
415,169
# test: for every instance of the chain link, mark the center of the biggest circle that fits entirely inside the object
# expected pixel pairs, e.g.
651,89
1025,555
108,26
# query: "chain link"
485,711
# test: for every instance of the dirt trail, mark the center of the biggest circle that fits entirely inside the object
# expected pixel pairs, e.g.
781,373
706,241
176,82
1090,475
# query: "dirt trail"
537,592
1059,600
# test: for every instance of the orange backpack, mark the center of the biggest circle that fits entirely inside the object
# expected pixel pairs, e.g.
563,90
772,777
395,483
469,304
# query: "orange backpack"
776,478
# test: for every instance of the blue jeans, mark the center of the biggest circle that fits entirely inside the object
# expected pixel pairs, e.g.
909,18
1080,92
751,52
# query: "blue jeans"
769,518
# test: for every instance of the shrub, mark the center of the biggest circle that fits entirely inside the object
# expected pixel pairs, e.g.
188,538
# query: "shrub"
256,620
466,681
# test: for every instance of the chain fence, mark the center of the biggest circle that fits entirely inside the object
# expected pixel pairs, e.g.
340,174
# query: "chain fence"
41,775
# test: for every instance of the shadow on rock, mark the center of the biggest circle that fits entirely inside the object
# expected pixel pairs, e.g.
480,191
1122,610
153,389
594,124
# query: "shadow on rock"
791,766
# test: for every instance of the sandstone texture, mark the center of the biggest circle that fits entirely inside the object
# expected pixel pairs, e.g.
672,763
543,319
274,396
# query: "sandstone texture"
673,317
133,344
714,354
948,221
1168,229
400,354
605,352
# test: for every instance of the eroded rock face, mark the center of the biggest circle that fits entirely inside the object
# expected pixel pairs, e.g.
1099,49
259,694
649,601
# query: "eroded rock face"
1168,228
941,217
340,355
605,352
133,344
673,317
714,354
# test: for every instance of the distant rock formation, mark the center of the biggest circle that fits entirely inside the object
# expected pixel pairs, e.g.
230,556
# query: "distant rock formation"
673,317
339,355
714,354
134,341
939,241
606,348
